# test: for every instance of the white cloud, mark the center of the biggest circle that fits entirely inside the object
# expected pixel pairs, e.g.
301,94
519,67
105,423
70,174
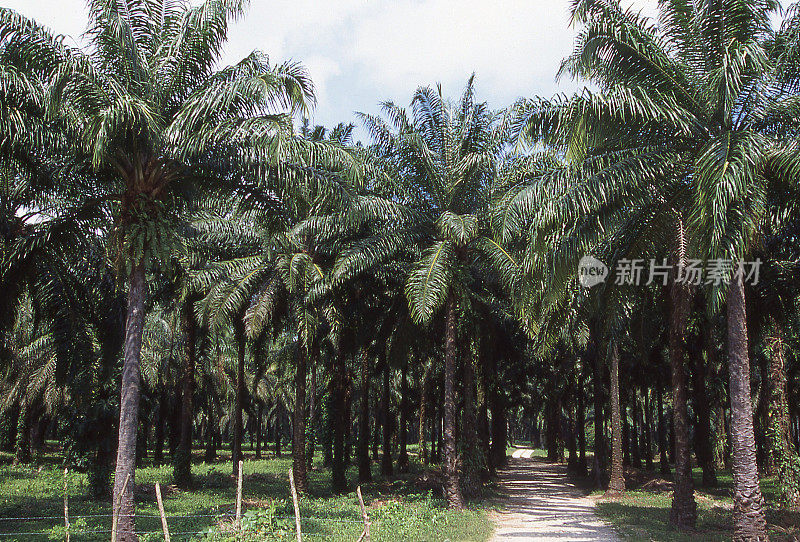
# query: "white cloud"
322,69
360,52
513,46
66,17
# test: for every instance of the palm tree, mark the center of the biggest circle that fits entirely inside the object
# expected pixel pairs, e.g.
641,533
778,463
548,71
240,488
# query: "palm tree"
146,109
691,100
177,302
30,381
277,277
444,155
773,314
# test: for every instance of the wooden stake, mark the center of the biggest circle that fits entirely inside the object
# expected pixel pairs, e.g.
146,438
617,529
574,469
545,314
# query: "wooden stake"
66,505
296,507
115,510
365,535
161,512
239,499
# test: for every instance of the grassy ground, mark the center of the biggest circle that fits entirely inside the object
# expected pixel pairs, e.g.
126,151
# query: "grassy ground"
643,514
401,509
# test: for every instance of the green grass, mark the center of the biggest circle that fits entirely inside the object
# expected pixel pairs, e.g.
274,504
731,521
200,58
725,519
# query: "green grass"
399,509
642,515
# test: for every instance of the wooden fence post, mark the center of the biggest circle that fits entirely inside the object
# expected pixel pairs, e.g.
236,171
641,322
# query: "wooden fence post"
296,507
161,512
66,505
239,499
115,510
365,536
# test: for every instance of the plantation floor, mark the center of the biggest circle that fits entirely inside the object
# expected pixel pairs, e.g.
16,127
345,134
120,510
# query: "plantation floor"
402,509
539,502
641,514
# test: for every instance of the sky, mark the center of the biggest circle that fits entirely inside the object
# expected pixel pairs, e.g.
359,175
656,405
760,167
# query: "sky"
362,52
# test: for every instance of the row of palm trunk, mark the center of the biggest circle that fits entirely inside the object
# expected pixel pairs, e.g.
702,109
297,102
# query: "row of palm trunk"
685,350
749,520
441,422
749,508
748,517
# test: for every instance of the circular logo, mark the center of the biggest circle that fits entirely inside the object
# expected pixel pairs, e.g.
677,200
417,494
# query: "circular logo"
591,271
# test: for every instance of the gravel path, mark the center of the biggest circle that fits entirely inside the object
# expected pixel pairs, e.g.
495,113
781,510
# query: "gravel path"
540,503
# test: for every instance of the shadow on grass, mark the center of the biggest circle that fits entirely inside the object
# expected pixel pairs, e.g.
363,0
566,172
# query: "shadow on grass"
637,521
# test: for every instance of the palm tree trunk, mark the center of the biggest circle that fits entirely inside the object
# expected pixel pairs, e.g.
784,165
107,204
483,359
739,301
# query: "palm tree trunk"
338,478
552,414
276,428
472,455
173,426
158,432
748,503
499,425
662,434
432,426
684,507
236,455
616,483
386,417
125,474
636,456
211,429
376,436
784,455
581,422
764,459
364,468
327,421
439,430
702,408
483,416
648,430
259,418
452,485
626,434
423,415
22,441
311,431
183,459
299,423
141,441
99,475
593,355
348,425
572,444
265,428
402,459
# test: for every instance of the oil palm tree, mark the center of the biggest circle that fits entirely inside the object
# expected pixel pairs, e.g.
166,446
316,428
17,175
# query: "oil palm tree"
773,312
272,280
146,110
693,97
444,156
286,239
30,382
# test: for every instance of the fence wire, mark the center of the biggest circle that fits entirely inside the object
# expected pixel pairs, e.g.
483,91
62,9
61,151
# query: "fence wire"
72,530
79,532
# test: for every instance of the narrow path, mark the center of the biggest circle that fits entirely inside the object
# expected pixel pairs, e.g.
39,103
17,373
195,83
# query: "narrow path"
539,502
